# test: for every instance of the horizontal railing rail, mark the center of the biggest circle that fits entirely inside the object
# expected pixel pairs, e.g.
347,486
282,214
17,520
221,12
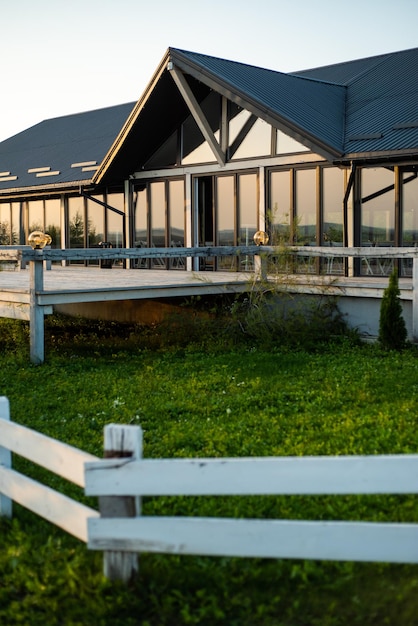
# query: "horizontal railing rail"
305,539
55,456
28,254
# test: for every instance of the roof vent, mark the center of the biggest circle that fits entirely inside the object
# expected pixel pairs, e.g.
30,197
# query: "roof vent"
84,164
403,125
365,137
4,176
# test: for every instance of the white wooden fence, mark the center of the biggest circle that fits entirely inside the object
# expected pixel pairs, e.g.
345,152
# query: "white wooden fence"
122,531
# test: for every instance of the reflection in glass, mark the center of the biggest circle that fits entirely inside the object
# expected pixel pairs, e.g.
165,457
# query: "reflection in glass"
36,215
332,207
306,206
158,220
256,143
247,213
279,209
6,225
225,218
288,145
114,220
409,203
377,216
76,225
52,221
176,220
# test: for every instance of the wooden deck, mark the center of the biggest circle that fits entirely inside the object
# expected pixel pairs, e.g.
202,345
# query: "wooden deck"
63,285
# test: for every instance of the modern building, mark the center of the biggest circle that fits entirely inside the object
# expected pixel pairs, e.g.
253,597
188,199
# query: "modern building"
215,150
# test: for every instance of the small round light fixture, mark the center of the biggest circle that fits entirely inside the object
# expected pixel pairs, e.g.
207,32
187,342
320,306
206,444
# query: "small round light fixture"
39,240
261,238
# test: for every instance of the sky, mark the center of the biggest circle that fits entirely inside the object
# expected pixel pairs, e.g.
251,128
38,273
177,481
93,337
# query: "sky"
59,57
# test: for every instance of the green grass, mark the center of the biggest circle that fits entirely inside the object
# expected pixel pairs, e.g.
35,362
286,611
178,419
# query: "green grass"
195,400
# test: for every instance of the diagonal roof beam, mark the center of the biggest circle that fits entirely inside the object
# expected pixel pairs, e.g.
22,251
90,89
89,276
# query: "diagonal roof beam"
197,112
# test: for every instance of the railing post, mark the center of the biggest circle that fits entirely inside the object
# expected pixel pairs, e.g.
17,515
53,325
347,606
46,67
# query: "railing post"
37,343
6,504
121,441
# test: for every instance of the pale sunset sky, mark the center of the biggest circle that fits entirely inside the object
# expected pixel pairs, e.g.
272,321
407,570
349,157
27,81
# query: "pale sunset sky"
60,57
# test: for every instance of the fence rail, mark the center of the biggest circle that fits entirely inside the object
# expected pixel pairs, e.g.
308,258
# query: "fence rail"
53,455
124,477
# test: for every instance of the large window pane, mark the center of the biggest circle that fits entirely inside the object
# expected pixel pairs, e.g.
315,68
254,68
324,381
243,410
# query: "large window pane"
377,216
256,143
306,206
280,208
114,220
158,220
225,218
36,215
176,216
332,226
409,191
247,214
5,224
95,222
52,221
76,225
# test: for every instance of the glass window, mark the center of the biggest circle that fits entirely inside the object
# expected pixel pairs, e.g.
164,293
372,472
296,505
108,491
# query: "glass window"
176,211
256,143
409,203
5,225
247,214
158,220
176,217
52,221
236,124
377,216
76,222
377,206
306,207
17,231
409,208
36,215
114,220
288,145
225,218
279,210
141,217
332,198
95,222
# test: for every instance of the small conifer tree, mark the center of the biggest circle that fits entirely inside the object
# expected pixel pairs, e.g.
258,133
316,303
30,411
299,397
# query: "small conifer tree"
392,329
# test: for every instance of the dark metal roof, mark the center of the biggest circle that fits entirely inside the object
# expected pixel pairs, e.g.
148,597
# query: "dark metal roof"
292,102
382,102
355,110
60,151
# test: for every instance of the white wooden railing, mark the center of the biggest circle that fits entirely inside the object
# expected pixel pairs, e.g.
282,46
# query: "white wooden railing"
53,455
122,532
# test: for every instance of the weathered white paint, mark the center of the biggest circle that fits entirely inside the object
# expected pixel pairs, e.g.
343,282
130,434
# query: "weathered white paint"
255,476
121,440
68,514
53,455
350,541
6,504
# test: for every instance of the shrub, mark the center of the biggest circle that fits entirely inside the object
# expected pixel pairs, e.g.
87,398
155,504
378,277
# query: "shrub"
392,329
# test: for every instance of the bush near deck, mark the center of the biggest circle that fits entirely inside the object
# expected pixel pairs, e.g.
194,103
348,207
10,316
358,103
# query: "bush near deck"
196,401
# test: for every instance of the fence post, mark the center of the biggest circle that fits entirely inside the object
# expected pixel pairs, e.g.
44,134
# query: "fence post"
37,342
5,460
121,441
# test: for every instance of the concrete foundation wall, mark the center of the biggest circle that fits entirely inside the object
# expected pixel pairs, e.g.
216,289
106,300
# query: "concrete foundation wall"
361,313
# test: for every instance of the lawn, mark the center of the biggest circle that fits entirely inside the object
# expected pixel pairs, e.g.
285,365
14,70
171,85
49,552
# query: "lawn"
194,400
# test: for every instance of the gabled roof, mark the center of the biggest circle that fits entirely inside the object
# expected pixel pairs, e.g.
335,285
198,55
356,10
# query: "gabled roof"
361,109
382,102
60,151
